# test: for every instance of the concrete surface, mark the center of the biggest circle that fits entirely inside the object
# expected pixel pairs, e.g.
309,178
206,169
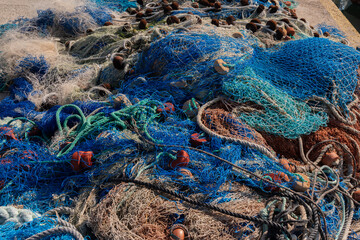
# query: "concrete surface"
315,11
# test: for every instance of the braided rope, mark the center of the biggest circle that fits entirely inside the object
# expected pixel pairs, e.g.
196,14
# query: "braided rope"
230,139
57,230
60,210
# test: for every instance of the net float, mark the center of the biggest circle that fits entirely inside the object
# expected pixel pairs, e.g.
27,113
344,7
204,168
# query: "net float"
302,186
290,31
330,158
81,160
167,9
256,21
168,108
356,195
196,140
108,23
215,22
182,159
273,9
142,24
185,172
178,232
175,5
260,8
280,33
217,6
172,19
220,68
251,26
237,35
118,62
230,20
271,24
278,177
285,163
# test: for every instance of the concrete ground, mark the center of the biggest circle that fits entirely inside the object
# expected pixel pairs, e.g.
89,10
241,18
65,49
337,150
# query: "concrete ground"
315,11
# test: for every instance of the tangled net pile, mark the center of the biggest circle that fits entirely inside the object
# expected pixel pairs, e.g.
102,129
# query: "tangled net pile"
178,120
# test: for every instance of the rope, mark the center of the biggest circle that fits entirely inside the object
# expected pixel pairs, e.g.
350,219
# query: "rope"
60,210
57,230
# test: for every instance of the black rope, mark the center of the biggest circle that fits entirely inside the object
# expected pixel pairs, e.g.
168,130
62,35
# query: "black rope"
254,219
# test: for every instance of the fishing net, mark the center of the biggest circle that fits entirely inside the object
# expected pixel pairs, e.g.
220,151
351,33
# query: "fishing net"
140,121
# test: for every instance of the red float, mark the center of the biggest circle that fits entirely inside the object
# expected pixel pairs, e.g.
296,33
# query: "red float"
81,160
278,177
168,108
182,159
197,140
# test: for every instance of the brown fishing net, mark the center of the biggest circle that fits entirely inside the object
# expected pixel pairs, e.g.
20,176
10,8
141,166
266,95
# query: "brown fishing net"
130,212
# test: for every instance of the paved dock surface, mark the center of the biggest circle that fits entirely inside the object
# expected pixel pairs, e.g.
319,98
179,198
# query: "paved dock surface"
315,11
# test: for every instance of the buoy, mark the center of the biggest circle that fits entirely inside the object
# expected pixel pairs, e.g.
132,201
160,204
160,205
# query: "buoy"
356,195
273,9
278,177
182,159
280,33
330,158
118,62
285,163
178,232
191,108
230,20
168,108
302,186
215,22
172,19
217,6
185,172
167,10
81,160
197,140
108,23
290,31
220,68
287,3
316,34
8,133
326,34
175,5
260,8
251,26
237,35
285,20
256,21
271,24
303,19
142,24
